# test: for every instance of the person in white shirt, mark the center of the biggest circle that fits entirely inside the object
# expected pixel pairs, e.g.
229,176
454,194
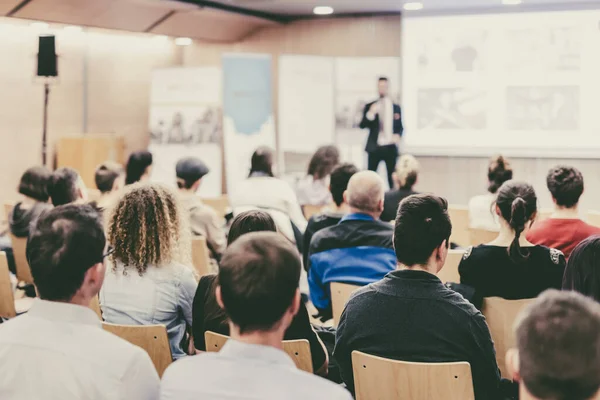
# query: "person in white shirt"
58,350
258,289
313,189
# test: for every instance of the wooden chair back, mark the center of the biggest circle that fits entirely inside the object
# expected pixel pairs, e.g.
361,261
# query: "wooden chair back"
152,338
377,378
219,204
95,306
500,315
593,218
459,216
298,350
19,246
449,272
340,294
200,256
481,236
7,300
310,210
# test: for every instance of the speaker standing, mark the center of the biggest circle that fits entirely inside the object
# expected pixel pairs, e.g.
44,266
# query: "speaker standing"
383,118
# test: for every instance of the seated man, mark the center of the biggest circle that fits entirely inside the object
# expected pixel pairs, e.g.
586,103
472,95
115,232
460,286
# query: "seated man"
410,315
338,183
358,250
558,348
564,229
66,186
110,179
58,350
258,289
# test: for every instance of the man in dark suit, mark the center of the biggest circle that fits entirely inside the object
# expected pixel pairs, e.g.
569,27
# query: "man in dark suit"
383,118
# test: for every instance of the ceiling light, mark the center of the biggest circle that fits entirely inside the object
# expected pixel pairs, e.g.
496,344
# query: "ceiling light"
323,10
413,6
40,25
72,28
163,38
183,41
511,2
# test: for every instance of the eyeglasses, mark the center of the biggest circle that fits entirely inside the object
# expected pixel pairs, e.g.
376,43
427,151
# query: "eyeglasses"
109,251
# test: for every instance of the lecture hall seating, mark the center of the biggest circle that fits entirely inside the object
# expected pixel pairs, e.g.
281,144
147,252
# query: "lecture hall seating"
340,294
19,252
9,306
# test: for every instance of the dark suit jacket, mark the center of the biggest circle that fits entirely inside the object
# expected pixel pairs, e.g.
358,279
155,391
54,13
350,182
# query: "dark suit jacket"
373,126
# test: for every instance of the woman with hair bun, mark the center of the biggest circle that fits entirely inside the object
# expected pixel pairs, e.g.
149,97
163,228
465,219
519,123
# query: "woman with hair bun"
481,214
510,266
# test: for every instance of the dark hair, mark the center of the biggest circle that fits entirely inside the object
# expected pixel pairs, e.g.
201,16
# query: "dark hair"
582,273
499,171
63,188
559,346
518,205
34,183
566,185
66,242
259,276
262,161
340,176
250,221
106,174
422,224
383,78
323,161
137,164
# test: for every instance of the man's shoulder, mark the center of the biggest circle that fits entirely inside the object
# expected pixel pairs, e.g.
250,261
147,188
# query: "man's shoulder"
322,388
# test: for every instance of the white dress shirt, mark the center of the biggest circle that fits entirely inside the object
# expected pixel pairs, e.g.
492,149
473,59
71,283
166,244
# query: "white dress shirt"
386,109
244,371
59,351
481,214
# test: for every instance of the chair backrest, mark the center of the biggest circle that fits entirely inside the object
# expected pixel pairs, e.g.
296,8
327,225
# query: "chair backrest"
449,272
481,236
200,256
95,306
219,204
298,350
459,216
340,294
7,300
377,378
310,210
500,315
152,338
593,218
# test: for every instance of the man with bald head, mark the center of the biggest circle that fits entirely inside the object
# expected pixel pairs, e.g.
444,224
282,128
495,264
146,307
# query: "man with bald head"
358,250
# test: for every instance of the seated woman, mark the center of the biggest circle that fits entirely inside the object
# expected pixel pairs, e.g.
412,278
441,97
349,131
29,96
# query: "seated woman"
510,266
583,269
208,316
149,282
481,213
405,176
313,189
139,167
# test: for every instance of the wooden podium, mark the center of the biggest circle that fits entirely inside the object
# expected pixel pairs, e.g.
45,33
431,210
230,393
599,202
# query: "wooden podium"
86,152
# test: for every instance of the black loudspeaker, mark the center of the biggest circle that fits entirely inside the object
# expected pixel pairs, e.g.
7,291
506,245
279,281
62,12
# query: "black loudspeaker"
46,65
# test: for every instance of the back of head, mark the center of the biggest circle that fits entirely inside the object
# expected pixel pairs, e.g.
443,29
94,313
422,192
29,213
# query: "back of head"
106,175
407,171
583,269
499,171
64,186
559,346
137,164
518,206
338,183
250,221
422,224
62,246
262,161
566,185
34,183
323,161
366,191
259,276
190,170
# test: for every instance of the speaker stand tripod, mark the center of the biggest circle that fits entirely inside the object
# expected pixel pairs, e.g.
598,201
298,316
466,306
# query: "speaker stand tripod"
44,129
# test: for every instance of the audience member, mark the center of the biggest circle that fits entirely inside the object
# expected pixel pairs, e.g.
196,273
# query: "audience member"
340,176
313,189
203,219
58,350
481,214
557,354
410,315
583,269
564,229
258,289
405,177
510,266
149,283
139,167
66,186
208,316
110,179
358,250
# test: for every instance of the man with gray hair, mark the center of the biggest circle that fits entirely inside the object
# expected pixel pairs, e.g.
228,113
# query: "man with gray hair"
358,250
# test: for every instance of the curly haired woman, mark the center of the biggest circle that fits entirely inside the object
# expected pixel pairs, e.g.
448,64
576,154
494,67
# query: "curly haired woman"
149,282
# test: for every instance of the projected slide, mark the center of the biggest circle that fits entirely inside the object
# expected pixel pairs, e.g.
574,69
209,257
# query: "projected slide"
475,84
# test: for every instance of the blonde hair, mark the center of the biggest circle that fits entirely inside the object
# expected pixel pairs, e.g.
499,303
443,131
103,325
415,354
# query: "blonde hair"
147,228
407,171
